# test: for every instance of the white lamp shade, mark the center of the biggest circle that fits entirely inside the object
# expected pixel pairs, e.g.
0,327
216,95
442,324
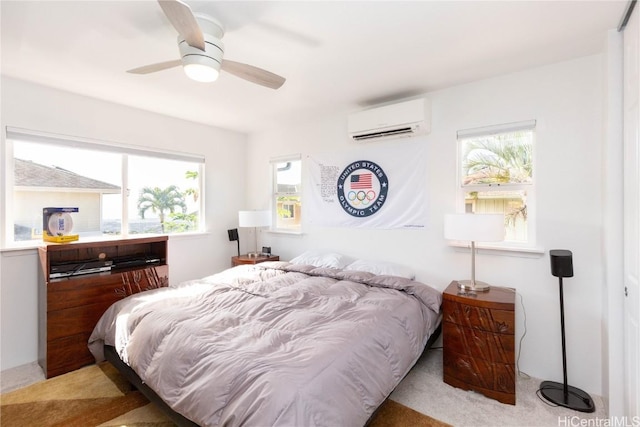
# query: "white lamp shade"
254,218
474,227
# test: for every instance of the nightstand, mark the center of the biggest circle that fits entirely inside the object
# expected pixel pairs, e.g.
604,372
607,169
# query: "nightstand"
478,338
246,259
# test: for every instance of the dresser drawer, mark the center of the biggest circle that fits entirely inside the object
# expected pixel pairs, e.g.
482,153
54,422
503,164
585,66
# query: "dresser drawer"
68,353
486,319
103,288
498,382
481,373
479,344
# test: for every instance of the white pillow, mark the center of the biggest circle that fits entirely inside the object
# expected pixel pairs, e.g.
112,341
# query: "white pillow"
322,259
381,268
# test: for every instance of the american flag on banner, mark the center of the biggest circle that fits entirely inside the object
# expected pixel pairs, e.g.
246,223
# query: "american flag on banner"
373,186
361,181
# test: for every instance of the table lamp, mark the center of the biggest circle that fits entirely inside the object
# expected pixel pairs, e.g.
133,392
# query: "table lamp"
474,228
254,219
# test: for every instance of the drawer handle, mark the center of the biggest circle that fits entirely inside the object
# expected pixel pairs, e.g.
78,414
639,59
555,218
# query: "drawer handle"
467,311
466,367
463,364
121,292
154,281
502,327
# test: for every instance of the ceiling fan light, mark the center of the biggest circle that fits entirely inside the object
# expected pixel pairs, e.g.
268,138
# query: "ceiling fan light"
201,72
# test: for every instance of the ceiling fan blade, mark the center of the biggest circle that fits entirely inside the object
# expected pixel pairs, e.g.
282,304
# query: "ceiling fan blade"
182,18
156,67
253,74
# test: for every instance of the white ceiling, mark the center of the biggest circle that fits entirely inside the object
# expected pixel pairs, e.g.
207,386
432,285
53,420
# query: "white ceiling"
336,55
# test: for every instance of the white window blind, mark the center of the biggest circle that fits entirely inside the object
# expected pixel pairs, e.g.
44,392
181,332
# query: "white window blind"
26,135
495,129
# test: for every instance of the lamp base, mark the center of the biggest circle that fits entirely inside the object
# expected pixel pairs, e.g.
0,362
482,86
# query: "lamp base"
470,285
574,399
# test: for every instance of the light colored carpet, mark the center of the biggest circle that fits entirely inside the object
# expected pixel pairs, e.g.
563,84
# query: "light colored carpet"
21,376
424,391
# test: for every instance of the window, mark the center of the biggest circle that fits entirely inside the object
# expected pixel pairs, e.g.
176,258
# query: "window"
496,176
287,200
163,190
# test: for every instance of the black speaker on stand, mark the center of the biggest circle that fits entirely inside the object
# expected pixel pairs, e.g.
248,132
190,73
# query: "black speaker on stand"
564,394
233,236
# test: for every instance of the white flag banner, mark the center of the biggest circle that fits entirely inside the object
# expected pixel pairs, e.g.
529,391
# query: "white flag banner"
380,187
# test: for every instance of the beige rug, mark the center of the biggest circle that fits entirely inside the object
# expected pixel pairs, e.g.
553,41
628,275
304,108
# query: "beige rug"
98,395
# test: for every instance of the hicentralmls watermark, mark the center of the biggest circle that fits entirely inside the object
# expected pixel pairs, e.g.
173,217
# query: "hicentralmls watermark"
576,421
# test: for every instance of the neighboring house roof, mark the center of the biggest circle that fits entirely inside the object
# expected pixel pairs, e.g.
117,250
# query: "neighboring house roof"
30,174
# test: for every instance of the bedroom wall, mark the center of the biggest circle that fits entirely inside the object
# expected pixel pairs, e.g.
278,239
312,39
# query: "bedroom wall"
30,106
566,99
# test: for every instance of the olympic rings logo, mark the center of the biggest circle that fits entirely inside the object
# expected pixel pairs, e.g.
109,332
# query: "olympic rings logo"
362,188
361,197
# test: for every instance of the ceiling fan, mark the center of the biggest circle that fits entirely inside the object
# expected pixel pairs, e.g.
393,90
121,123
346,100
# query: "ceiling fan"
201,49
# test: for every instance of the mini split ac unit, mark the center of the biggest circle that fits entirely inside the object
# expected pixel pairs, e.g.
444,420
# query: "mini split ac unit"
407,118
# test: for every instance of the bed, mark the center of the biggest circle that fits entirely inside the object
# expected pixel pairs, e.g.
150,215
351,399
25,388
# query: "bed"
277,343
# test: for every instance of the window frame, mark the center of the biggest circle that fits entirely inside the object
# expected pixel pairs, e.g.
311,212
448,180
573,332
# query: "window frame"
275,194
13,135
528,246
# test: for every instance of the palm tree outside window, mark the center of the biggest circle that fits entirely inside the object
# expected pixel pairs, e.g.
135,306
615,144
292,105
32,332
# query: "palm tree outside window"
497,176
161,201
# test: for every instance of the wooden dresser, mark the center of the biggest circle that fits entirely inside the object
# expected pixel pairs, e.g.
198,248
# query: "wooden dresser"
71,305
478,341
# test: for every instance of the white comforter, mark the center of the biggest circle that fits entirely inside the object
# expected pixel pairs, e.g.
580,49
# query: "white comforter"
275,344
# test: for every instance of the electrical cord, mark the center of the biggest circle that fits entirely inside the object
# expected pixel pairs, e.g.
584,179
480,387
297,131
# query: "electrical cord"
524,314
539,394
78,268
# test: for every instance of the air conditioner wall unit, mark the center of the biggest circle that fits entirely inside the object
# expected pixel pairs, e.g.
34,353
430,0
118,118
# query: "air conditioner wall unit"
407,118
